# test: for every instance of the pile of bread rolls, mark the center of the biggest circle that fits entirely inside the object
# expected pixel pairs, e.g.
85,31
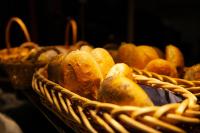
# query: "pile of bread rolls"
43,55
153,59
92,73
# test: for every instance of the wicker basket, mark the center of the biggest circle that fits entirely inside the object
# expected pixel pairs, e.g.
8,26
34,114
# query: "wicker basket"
19,73
192,86
84,115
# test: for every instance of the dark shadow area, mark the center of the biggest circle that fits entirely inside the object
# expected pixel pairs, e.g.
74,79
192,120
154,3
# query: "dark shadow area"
156,23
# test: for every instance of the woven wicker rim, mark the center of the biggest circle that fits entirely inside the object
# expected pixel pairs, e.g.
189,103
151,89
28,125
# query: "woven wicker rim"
147,119
192,86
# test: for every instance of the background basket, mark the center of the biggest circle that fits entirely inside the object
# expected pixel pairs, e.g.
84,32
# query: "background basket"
3,75
19,73
84,115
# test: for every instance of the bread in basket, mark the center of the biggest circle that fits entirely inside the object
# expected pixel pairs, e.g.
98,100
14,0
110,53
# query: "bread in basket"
86,113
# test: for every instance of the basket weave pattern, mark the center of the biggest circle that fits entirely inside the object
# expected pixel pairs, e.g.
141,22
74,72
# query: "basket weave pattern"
192,86
85,115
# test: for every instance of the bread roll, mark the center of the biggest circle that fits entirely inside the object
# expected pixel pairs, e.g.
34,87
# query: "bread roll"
149,52
163,67
123,91
129,54
175,56
120,69
104,60
44,54
81,74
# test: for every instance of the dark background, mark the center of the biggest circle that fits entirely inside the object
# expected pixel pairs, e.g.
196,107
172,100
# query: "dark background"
154,22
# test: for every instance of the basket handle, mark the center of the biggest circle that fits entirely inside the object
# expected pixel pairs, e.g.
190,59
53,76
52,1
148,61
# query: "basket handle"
29,45
72,23
21,25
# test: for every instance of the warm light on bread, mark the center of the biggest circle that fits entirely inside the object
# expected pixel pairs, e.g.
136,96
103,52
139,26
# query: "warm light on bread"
129,54
77,71
122,91
175,56
120,69
149,52
104,60
163,67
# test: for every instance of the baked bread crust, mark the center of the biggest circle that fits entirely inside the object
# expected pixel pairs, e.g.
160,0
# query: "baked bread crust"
163,67
129,54
104,60
121,90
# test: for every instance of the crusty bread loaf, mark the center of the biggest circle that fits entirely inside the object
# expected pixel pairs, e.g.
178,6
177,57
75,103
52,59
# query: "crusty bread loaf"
163,67
121,90
104,60
129,54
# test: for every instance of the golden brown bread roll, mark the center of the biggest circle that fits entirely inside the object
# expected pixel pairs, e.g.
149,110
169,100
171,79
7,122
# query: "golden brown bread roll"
175,56
78,71
123,91
149,52
161,66
87,73
129,54
120,69
104,60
